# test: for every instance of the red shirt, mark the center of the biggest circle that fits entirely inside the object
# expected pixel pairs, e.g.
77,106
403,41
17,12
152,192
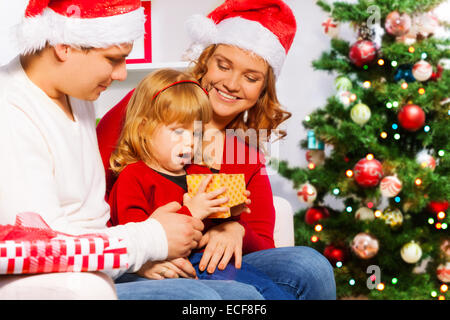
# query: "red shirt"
259,224
138,191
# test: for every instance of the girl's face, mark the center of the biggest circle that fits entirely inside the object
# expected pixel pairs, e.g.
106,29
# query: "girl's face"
171,146
235,80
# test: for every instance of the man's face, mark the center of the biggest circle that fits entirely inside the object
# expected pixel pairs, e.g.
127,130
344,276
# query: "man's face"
91,72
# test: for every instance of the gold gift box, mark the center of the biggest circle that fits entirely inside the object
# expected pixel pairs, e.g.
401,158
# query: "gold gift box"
235,184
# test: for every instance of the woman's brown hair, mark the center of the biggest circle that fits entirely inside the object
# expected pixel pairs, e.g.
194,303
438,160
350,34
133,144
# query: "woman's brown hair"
266,114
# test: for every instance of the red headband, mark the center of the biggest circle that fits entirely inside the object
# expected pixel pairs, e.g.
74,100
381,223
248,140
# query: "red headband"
178,82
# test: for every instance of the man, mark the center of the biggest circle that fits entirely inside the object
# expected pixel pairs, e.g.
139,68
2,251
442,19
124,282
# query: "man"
70,54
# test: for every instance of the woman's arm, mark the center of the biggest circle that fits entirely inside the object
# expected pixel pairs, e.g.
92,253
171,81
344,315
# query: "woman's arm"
260,222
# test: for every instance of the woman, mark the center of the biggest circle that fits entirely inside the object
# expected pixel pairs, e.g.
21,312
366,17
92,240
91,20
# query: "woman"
241,48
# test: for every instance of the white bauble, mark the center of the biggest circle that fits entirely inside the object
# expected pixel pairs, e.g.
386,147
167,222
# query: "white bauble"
411,252
364,213
360,113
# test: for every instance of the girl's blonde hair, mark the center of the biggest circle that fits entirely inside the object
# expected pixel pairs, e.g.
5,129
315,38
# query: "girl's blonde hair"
181,103
266,114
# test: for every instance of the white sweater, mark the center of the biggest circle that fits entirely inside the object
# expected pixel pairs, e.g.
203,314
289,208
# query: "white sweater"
51,165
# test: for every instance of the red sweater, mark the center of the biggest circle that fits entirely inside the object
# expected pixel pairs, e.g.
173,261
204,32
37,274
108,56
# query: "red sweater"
138,191
259,224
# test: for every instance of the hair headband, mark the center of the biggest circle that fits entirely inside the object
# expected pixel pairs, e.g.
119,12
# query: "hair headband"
178,82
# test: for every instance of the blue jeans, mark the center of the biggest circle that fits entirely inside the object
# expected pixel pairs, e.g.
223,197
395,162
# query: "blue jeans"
132,287
301,271
246,274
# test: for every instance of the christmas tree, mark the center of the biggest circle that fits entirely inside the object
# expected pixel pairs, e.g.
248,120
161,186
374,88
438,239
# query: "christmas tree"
381,147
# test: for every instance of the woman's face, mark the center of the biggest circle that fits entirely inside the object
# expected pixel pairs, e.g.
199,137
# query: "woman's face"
235,80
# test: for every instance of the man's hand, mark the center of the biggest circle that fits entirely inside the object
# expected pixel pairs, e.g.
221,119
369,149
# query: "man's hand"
183,232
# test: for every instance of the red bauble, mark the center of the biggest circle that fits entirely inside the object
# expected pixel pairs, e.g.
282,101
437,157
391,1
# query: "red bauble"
411,117
334,254
362,52
368,173
314,214
436,207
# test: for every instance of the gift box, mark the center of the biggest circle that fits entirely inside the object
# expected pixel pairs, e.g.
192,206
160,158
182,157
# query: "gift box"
235,184
31,246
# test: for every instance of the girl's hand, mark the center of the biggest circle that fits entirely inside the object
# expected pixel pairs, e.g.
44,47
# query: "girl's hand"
170,269
203,204
222,242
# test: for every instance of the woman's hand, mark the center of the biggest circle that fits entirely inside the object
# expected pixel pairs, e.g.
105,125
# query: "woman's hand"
169,269
237,210
222,242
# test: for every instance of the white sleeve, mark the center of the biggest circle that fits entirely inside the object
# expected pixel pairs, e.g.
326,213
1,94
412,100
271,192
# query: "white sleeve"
26,168
27,184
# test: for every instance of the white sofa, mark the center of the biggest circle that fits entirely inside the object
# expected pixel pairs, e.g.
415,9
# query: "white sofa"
283,233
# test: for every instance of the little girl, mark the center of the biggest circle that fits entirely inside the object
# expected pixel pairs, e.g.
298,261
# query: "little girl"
152,159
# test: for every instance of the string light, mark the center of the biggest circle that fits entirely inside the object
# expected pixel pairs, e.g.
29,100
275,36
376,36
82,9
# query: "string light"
307,118
395,104
352,97
397,199
369,156
394,63
444,288
370,205
380,286
411,49
383,135
380,62
349,209
339,264
441,153
349,173
352,282
441,297
318,227
433,294
397,136
394,126
389,105
421,90
426,128
311,166
438,225
314,238
430,220
367,84
418,181
336,191
441,215
394,280
424,55
404,85
444,226
378,213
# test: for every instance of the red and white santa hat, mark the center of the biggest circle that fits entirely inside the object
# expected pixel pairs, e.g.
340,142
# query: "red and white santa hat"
83,23
265,27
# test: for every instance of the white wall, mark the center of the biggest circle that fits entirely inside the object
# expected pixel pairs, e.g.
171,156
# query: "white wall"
300,88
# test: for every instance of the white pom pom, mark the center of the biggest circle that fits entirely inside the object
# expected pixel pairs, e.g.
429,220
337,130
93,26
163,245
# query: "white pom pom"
193,52
201,29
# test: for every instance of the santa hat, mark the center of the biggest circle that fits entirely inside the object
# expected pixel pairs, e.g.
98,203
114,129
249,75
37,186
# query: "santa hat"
83,23
265,27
